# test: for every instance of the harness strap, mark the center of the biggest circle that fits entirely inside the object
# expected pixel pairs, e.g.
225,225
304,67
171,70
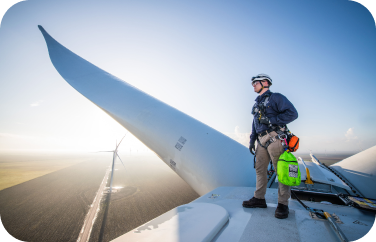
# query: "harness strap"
277,129
268,142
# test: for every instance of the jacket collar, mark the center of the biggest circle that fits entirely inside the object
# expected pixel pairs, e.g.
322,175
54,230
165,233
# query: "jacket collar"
259,98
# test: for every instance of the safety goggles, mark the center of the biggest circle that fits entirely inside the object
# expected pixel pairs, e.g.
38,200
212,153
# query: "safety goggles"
254,83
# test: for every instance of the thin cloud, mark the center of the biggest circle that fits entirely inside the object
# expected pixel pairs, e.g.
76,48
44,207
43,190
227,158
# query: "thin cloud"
36,104
15,136
242,138
350,135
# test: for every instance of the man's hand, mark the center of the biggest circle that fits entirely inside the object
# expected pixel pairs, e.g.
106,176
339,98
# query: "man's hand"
252,147
264,120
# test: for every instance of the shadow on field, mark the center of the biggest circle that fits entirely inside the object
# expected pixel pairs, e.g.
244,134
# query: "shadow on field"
107,205
149,188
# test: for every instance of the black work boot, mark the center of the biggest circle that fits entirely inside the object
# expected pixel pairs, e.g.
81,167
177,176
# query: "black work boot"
255,203
282,211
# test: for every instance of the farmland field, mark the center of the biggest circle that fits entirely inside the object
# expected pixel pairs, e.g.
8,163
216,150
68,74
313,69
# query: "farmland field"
149,190
52,207
16,168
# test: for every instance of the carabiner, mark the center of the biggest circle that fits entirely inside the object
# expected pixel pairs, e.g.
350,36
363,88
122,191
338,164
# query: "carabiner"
282,136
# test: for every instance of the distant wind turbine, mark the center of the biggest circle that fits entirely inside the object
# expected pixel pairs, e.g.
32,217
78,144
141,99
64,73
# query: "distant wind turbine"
108,198
115,154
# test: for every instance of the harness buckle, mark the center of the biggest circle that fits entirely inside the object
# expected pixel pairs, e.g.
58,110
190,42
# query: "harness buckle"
272,139
282,136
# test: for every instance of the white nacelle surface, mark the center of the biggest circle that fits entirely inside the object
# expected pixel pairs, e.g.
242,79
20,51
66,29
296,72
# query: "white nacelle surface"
360,170
191,222
319,174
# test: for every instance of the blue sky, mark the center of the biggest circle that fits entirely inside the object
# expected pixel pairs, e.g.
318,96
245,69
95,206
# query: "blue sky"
197,56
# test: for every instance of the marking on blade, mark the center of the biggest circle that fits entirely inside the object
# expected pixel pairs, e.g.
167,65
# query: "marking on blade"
182,140
178,146
173,164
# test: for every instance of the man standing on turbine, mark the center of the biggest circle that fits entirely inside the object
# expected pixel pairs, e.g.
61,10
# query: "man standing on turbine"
271,113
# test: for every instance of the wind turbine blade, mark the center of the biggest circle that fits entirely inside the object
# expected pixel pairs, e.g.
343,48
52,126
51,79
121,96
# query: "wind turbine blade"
120,160
202,156
119,143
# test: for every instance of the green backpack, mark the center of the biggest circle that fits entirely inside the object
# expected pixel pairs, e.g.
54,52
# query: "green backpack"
288,169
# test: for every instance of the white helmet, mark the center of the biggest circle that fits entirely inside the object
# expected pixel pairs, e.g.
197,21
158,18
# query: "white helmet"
261,77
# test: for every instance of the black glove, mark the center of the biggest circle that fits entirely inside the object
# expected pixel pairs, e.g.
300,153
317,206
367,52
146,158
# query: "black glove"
252,147
264,120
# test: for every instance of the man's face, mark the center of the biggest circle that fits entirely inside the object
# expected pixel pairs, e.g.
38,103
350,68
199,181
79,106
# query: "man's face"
257,85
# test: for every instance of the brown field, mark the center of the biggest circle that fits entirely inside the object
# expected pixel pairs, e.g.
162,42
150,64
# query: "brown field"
52,207
16,168
150,189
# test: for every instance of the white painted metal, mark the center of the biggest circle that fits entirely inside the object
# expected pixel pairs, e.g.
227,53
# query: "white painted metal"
315,160
192,222
259,224
360,170
319,174
202,156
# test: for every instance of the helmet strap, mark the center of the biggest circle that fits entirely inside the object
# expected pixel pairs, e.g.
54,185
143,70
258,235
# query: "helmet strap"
262,87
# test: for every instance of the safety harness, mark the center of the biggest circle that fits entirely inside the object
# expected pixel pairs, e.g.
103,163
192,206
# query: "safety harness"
259,108
281,135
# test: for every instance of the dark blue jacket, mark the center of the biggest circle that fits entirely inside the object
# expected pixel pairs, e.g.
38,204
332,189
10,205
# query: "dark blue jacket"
279,110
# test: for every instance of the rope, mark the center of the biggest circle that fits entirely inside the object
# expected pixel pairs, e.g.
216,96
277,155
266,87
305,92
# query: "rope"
319,213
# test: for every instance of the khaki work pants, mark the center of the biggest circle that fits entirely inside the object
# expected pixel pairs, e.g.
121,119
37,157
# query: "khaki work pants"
263,156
